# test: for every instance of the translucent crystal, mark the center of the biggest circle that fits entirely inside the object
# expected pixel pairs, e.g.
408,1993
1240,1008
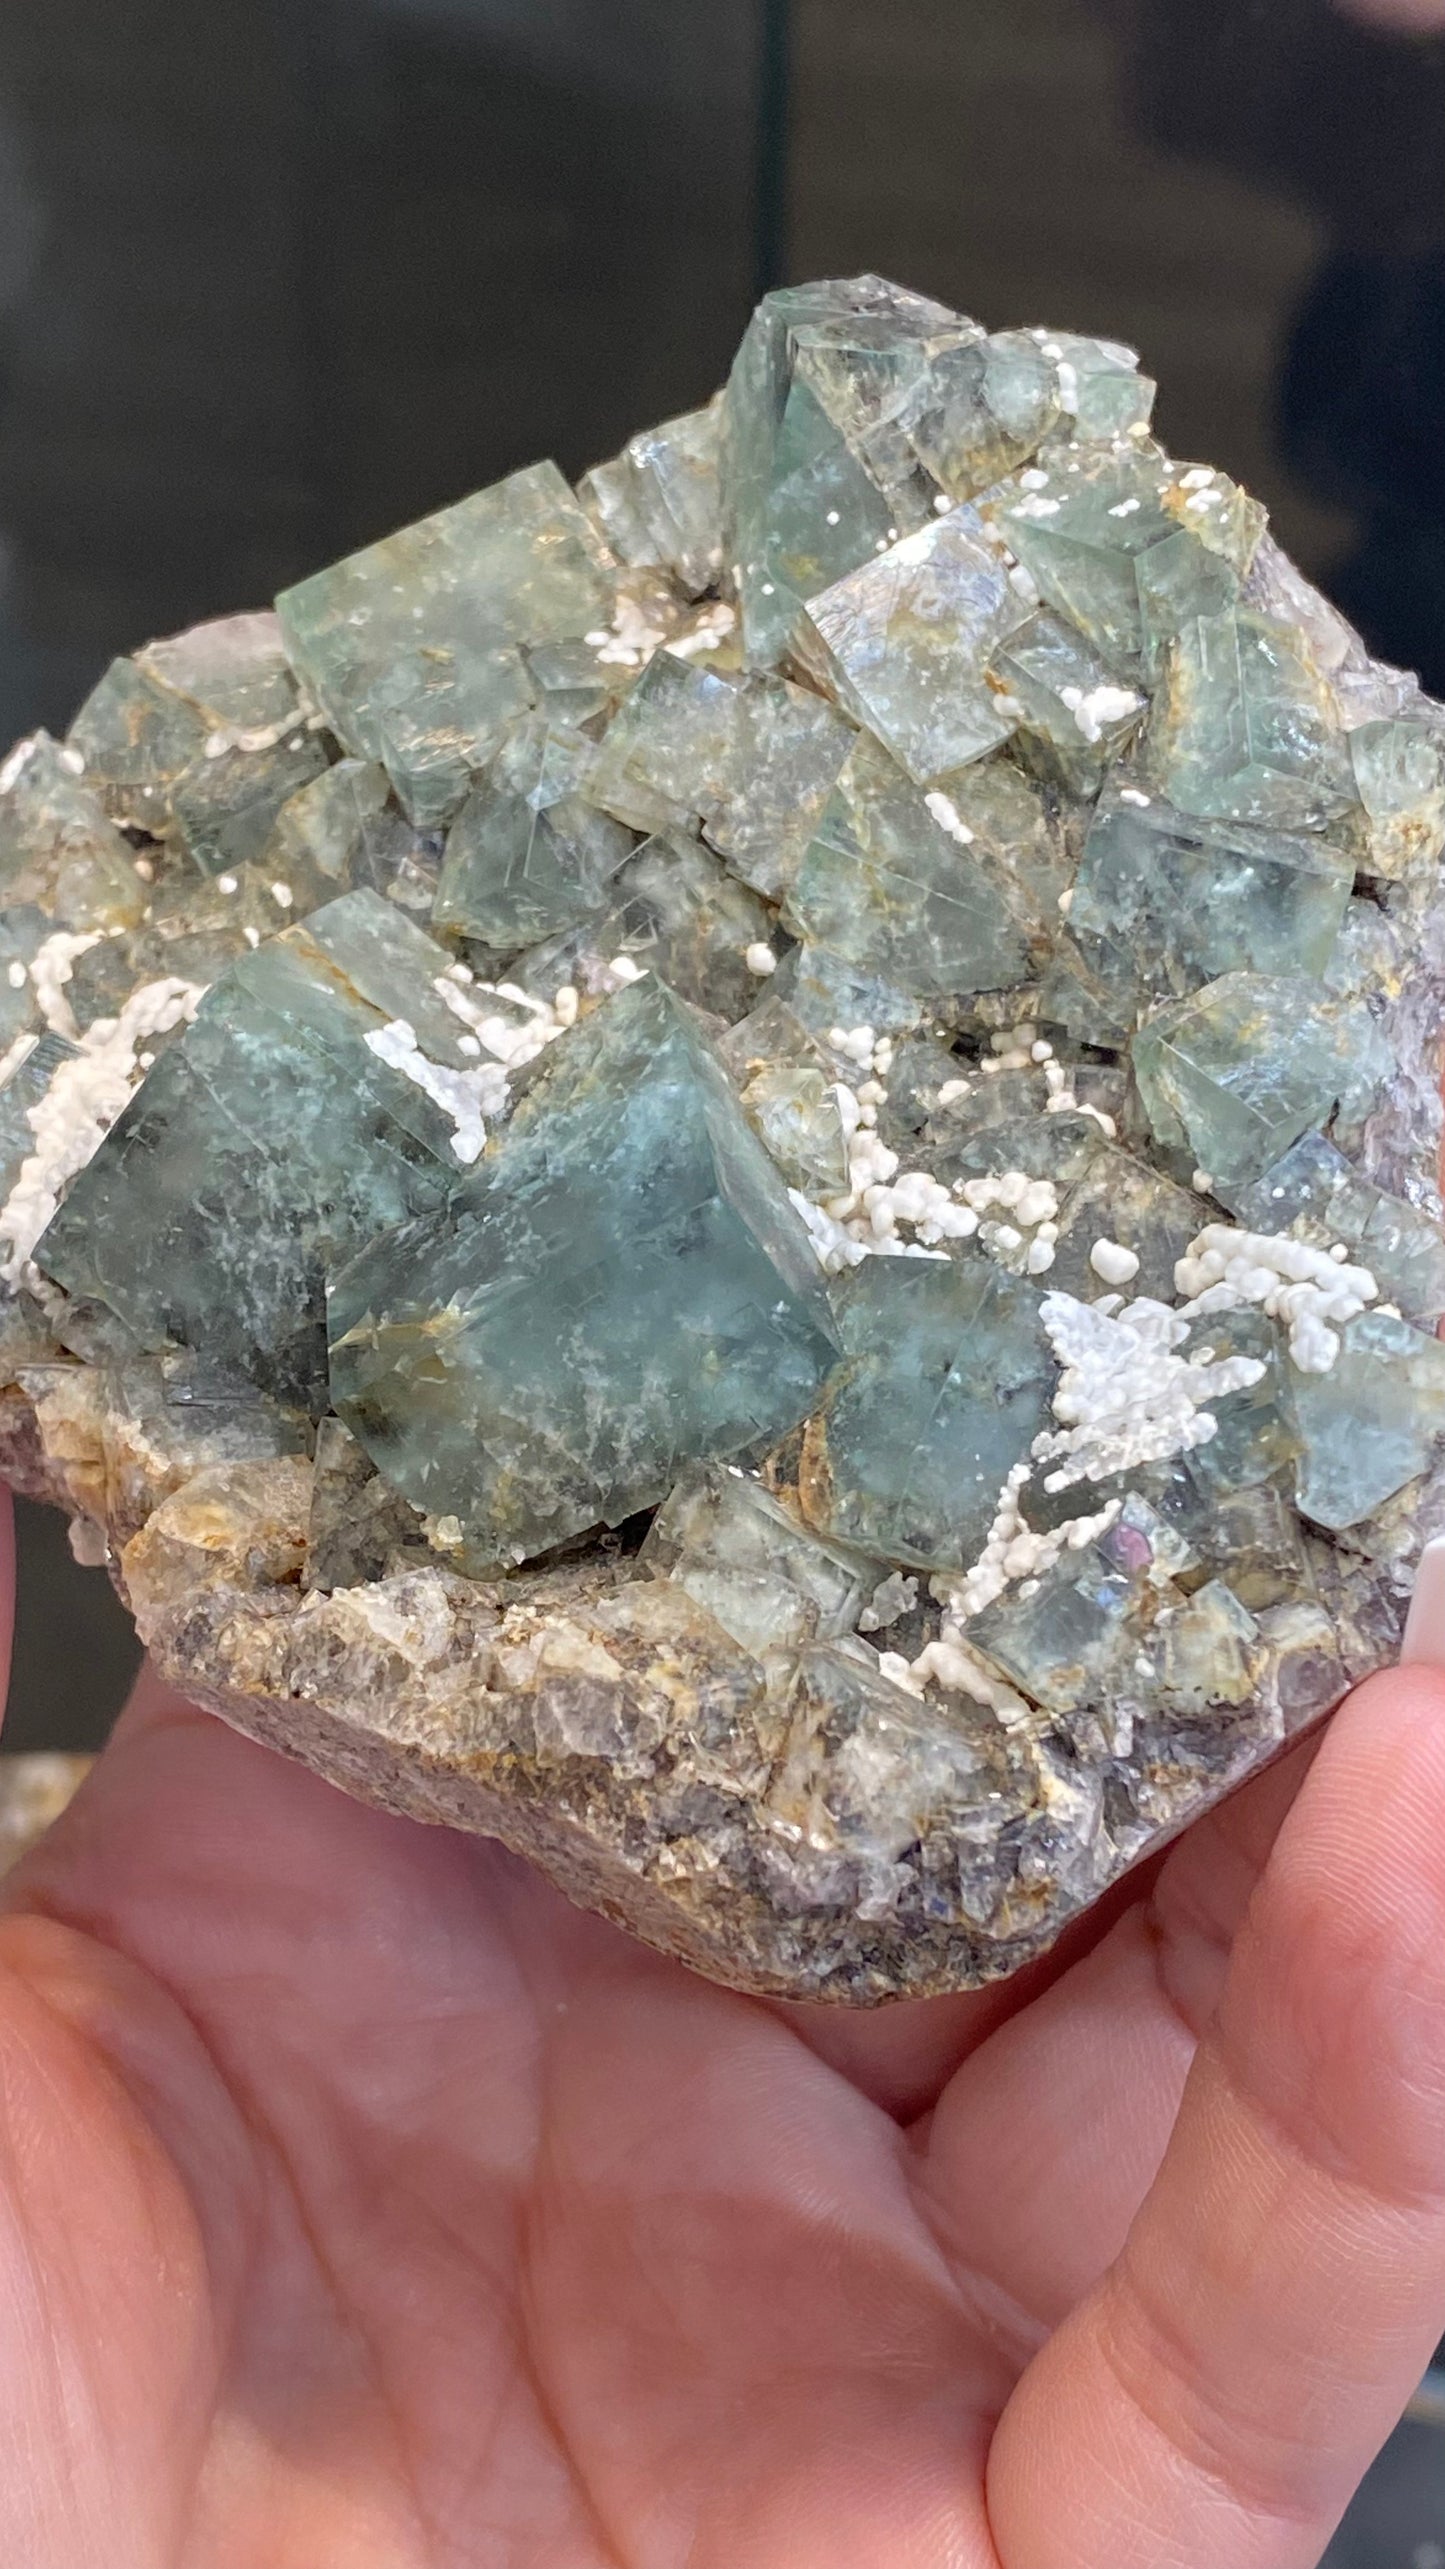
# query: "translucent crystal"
1245,728
526,854
672,909
413,648
221,689
1399,771
819,367
623,1287
946,1380
1239,1071
1173,901
750,762
266,1144
1372,1423
1315,1195
660,502
225,807
896,881
904,643
58,850
1119,542
1076,715
759,1573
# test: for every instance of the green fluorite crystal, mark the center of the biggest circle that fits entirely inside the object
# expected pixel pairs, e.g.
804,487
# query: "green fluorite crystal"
268,1143
624,1288
1164,902
737,1172
905,642
415,649
1238,1072
945,1381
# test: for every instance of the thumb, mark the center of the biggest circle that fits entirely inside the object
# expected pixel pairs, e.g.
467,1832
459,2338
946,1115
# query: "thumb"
1217,2398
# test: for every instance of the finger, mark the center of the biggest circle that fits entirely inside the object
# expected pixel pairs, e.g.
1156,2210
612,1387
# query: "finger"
1071,2103
1219,2395
7,1594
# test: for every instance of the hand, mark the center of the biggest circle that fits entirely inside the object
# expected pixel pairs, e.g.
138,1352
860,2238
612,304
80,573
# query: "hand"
363,2206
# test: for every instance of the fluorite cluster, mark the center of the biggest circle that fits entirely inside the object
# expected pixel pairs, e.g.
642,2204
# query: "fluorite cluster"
734,1174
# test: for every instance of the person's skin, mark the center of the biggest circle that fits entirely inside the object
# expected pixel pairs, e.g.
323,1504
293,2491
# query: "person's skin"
364,2206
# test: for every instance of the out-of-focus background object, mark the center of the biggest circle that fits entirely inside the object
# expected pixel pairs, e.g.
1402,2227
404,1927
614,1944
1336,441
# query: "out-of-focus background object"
278,275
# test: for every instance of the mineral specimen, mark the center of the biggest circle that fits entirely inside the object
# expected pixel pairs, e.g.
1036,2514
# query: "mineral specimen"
735,1174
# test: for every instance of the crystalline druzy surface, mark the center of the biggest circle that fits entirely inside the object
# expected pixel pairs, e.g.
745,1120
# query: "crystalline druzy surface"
624,1288
737,1174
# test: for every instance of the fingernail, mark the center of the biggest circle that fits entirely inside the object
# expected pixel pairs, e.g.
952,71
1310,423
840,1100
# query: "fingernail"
1424,1642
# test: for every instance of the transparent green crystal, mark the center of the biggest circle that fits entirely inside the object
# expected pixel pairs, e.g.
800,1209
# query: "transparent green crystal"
1073,1640
526,854
660,502
889,886
819,367
1399,772
221,689
1116,1198
622,1288
1121,547
265,1145
1240,1070
672,909
1372,1423
759,1573
225,807
904,643
1245,728
1174,901
58,850
1076,715
750,762
414,648
1315,1195
946,1379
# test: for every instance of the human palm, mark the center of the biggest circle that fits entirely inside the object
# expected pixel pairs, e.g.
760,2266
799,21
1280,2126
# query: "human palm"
363,2206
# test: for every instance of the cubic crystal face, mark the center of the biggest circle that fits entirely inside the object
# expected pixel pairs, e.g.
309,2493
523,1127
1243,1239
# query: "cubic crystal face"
627,1287
736,1173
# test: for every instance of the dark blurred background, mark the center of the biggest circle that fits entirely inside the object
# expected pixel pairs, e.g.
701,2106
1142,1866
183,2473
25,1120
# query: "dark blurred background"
276,275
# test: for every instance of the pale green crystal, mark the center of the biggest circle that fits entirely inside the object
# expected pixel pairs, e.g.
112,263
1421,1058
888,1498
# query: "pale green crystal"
820,366
526,854
265,1145
1239,1071
946,1380
660,502
623,1287
903,644
1171,902
219,690
672,909
1115,1198
1120,547
226,807
1399,772
22,1087
750,762
58,850
1075,713
1245,728
413,648
759,1573
889,886
1372,1423
1315,1195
